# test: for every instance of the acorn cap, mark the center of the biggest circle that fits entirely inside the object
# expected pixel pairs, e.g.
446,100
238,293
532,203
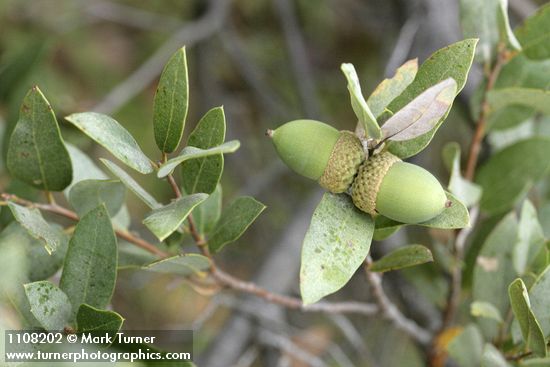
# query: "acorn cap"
369,178
305,146
398,190
345,159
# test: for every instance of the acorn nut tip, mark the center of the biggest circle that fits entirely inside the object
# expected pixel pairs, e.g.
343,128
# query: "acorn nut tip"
398,190
381,184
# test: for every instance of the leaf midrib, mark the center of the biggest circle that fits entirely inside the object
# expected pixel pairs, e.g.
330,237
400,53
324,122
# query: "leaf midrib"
171,109
35,145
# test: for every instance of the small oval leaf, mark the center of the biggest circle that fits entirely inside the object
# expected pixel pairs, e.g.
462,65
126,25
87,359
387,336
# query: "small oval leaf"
391,88
509,173
422,114
49,305
485,309
88,194
530,239
89,272
39,263
31,219
492,357
190,152
466,191
83,168
91,319
530,327
171,103
208,213
234,221
534,34
402,257
131,184
166,220
538,99
358,103
493,271
453,61
539,296
336,244
203,174
107,132
183,265
36,152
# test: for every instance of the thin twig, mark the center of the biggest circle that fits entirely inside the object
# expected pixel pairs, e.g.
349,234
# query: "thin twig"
174,185
188,35
219,275
292,302
390,310
249,287
477,139
59,210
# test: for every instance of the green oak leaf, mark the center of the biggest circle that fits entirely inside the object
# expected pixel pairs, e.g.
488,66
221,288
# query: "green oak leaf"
234,221
166,220
89,273
171,103
107,132
336,244
49,305
36,152
203,174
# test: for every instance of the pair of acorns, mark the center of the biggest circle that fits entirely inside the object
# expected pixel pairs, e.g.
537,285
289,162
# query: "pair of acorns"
380,184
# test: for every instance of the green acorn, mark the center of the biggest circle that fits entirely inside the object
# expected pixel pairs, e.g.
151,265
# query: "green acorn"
320,152
398,190
382,184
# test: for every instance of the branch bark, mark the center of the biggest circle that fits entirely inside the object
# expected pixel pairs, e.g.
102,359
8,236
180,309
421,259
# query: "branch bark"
390,310
219,275
477,139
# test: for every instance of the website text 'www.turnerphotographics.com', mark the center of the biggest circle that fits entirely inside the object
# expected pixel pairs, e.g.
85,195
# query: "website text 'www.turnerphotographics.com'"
122,346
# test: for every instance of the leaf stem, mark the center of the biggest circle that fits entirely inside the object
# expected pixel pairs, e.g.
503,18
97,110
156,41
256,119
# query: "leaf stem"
517,357
50,197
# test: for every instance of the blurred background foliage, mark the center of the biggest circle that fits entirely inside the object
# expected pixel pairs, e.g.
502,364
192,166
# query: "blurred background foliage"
266,62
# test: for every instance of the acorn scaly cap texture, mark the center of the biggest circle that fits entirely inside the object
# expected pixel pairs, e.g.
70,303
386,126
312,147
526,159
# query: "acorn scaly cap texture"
305,146
345,159
369,178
